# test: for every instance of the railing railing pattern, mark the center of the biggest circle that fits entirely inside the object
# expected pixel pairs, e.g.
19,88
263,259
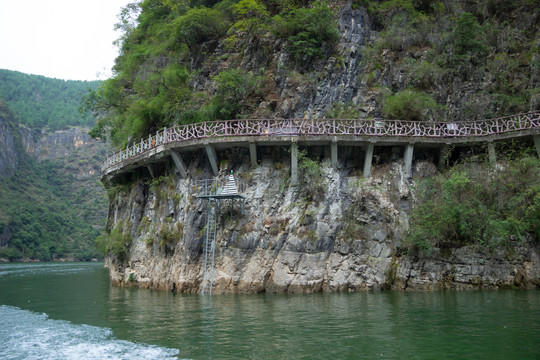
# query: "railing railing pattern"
331,127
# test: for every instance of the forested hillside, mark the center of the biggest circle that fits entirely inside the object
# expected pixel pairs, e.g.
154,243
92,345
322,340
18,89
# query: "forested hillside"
44,102
52,205
189,61
46,214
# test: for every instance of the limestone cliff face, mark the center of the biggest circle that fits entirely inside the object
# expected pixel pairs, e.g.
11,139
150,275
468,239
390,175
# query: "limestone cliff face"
10,154
348,240
53,145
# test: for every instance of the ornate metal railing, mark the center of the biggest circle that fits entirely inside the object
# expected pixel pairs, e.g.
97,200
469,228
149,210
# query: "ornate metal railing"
331,127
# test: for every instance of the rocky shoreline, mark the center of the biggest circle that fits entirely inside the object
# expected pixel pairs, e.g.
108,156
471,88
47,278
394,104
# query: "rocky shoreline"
350,240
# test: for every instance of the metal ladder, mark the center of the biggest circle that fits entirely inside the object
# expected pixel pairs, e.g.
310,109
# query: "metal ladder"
209,248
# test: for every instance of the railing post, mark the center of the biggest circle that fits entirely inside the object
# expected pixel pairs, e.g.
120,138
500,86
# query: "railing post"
165,135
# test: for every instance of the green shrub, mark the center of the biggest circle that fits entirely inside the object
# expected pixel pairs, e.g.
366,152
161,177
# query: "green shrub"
233,87
510,104
467,42
424,75
169,233
343,111
251,17
468,205
409,104
10,253
199,25
116,242
402,34
311,178
307,30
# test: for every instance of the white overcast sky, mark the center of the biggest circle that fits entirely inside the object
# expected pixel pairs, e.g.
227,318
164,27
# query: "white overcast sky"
63,39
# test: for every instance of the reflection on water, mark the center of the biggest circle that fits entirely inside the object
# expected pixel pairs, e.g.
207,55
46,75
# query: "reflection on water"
488,324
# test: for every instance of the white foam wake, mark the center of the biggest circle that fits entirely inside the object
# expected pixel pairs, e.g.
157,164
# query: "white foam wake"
28,335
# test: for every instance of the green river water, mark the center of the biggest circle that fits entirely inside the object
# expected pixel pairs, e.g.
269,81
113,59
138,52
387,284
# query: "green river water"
69,311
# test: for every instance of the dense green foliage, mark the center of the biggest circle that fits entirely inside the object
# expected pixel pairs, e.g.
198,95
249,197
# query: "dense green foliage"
116,242
489,47
178,58
409,105
151,88
307,30
47,215
311,179
472,203
44,102
52,208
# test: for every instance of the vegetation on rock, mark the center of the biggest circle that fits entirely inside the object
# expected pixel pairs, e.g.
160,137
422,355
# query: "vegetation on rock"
472,203
172,43
475,59
191,61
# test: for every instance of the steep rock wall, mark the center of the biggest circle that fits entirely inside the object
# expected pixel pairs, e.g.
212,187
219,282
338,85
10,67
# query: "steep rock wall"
349,240
9,141
47,146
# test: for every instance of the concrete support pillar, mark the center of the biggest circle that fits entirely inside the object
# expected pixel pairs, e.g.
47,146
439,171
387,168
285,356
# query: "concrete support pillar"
253,154
334,154
294,164
396,153
212,157
181,167
492,154
537,144
444,154
151,170
368,159
407,158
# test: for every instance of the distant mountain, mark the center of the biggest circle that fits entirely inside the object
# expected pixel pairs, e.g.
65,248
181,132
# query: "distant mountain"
44,102
52,205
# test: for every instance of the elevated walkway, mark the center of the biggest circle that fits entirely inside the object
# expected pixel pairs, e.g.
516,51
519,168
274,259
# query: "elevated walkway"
249,133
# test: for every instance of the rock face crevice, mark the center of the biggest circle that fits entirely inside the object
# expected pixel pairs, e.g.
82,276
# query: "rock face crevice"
280,243
10,148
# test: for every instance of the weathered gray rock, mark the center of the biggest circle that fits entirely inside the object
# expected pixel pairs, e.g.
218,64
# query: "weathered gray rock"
9,137
349,241
52,145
